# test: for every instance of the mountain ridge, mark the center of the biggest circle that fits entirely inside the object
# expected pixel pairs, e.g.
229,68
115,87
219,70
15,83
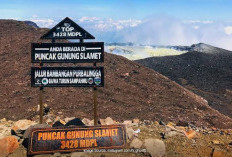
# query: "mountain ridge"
206,73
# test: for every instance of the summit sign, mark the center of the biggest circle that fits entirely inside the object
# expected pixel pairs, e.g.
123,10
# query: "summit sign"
67,52
67,29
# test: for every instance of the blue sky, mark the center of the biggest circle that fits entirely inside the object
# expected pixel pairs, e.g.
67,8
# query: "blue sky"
152,22
117,9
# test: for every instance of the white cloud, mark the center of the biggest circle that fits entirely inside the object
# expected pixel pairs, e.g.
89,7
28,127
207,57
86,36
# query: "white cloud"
108,24
199,21
196,27
43,23
155,30
228,30
89,19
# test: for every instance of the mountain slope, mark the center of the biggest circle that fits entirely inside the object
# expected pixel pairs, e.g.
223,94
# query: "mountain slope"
130,91
207,73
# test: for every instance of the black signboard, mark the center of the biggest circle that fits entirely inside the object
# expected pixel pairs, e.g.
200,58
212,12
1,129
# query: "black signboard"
67,52
51,140
67,29
67,77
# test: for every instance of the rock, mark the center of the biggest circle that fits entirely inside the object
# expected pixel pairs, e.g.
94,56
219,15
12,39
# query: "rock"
130,133
75,122
136,143
161,123
63,122
214,129
156,123
57,118
23,124
4,131
107,121
49,121
69,119
91,123
155,147
218,153
171,124
102,122
8,145
190,134
127,122
79,154
170,134
136,120
28,133
216,142
20,126
46,109
57,154
3,120
147,122
58,124
86,121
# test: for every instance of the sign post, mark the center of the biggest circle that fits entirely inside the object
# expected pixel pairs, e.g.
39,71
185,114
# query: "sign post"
82,52
70,139
95,105
41,104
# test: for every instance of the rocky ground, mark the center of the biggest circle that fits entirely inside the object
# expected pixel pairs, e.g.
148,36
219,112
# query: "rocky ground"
148,138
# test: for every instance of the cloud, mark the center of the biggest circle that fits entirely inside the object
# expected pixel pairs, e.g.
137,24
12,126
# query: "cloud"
199,21
154,30
41,22
228,30
165,30
108,24
88,19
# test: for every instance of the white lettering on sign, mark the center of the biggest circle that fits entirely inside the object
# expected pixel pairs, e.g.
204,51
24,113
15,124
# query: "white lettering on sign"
67,56
66,31
68,73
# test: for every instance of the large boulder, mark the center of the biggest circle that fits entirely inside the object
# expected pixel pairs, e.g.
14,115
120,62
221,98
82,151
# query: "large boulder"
75,122
8,145
20,126
155,147
27,133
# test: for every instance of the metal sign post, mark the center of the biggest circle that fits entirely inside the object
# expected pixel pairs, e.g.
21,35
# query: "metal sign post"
41,105
95,105
95,100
